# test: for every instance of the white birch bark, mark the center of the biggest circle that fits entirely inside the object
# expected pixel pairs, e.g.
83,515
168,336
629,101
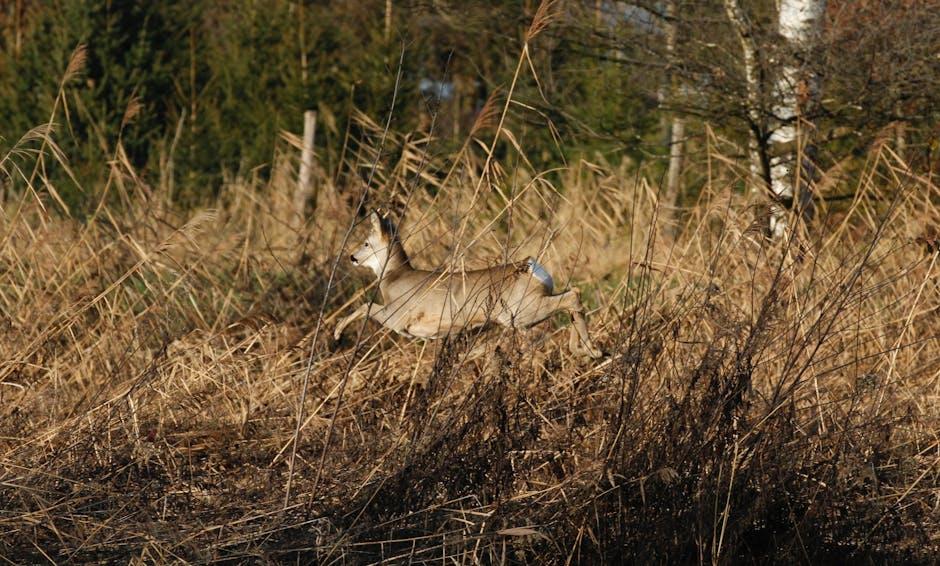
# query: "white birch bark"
388,19
800,24
676,158
752,83
304,190
677,131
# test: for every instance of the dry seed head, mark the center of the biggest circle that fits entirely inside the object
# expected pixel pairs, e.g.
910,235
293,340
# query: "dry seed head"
546,14
488,115
76,63
131,111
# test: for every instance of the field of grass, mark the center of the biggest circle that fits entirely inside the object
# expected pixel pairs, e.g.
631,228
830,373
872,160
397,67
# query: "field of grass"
169,388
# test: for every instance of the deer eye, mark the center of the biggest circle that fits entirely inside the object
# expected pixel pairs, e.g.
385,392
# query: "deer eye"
367,244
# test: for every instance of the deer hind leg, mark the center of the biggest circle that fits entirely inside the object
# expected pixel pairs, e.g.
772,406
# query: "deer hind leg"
581,331
570,301
580,324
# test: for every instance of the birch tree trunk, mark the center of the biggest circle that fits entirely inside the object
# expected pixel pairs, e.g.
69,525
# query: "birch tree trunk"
797,90
676,158
742,27
388,19
304,190
677,129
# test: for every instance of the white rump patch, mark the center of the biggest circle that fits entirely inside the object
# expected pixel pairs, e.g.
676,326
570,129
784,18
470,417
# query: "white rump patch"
539,272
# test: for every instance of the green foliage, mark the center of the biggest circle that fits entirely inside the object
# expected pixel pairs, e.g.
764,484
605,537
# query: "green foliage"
216,81
230,76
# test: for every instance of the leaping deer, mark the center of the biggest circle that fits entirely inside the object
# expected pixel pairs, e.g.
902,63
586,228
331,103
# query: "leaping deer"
432,304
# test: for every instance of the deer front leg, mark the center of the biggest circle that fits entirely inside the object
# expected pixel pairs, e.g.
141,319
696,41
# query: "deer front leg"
356,315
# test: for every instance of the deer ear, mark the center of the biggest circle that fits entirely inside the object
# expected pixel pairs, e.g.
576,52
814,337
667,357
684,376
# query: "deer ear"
376,222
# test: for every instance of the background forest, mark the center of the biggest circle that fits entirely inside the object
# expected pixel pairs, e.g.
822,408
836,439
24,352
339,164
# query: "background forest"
211,84
744,192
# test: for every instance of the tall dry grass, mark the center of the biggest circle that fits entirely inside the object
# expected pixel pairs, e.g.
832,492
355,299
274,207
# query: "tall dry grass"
762,402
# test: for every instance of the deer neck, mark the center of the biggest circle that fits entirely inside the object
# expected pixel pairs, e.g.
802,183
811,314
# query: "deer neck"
397,265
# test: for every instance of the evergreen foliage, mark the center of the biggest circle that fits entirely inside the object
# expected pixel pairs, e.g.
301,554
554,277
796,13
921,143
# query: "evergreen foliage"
232,75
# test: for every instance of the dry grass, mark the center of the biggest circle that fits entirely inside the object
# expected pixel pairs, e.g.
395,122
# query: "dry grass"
762,402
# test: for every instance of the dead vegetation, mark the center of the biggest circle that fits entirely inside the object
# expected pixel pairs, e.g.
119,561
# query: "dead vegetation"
763,402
